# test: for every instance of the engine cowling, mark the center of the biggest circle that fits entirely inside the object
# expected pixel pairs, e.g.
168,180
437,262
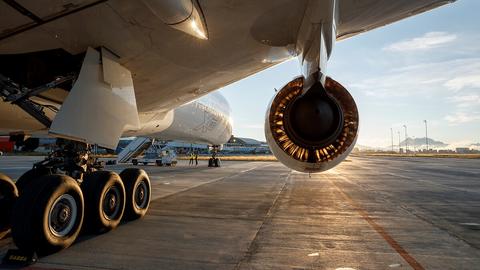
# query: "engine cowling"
314,130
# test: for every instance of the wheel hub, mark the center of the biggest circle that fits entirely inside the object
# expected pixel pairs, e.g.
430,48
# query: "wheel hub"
62,215
141,199
111,202
111,205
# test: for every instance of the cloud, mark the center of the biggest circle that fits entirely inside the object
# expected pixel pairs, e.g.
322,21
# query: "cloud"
428,41
424,78
465,101
462,118
462,82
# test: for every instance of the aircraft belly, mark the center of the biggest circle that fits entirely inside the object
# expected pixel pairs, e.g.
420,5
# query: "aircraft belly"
170,67
14,119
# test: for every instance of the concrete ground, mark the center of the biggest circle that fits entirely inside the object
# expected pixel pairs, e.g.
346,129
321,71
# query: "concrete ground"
367,213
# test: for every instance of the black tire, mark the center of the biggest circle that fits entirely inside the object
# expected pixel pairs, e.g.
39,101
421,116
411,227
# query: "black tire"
210,162
136,183
135,162
48,216
8,197
145,163
104,195
29,176
216,162
158,162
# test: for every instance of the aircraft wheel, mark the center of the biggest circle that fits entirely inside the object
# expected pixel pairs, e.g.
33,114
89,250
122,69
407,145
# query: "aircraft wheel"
138,191
29,176
104,200
8,196
210,162
135,162
145,163
48,215
216,162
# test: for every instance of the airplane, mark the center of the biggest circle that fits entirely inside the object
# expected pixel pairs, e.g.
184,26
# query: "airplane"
206,120
90,71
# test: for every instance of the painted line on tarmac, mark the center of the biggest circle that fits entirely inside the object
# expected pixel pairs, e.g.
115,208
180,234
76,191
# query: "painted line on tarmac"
380,230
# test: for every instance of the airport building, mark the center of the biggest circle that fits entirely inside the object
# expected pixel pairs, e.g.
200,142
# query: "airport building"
237,145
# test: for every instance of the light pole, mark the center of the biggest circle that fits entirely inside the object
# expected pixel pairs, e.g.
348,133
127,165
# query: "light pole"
414,145
398,141
426,133
391,133
406,139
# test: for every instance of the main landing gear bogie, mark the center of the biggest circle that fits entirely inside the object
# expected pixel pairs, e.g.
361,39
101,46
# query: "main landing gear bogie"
214,162
48,210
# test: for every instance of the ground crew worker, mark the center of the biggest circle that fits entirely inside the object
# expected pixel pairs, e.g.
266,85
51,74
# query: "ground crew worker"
192,156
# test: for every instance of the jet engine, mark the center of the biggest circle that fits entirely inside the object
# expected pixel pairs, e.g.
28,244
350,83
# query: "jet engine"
314,129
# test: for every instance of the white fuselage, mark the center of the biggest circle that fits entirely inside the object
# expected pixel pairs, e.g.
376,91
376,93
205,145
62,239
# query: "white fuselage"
205,120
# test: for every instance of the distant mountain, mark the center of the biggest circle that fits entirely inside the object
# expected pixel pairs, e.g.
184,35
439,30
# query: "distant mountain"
420,142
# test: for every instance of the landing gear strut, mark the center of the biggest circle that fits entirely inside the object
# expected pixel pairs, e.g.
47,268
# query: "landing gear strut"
66,192
214,161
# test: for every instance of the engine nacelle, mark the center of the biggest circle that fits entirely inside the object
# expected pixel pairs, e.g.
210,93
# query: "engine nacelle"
314,130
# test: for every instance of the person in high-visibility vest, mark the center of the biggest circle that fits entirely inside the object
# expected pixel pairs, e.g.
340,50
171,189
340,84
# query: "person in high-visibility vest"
192,156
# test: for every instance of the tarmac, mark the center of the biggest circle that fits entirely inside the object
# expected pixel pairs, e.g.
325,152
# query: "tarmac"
367,213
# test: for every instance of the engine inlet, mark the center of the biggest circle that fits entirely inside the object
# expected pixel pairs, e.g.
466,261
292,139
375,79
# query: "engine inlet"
301,134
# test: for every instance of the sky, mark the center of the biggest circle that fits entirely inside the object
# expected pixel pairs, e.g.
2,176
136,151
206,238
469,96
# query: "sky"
426,67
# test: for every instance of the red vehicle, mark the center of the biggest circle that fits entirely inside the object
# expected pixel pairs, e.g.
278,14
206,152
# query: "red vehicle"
6,145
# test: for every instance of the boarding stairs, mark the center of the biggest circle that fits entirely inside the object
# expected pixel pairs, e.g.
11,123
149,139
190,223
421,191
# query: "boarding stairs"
134,149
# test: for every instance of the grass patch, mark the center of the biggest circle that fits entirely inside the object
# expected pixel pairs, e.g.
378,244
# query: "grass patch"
465,156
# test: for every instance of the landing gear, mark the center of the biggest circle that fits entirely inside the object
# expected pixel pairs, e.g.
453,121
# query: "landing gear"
65,192
8,196
138,190
31,175
214,161
48,215
104,200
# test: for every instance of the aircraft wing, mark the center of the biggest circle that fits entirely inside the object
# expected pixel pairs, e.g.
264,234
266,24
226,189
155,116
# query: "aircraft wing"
358,16
168,67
